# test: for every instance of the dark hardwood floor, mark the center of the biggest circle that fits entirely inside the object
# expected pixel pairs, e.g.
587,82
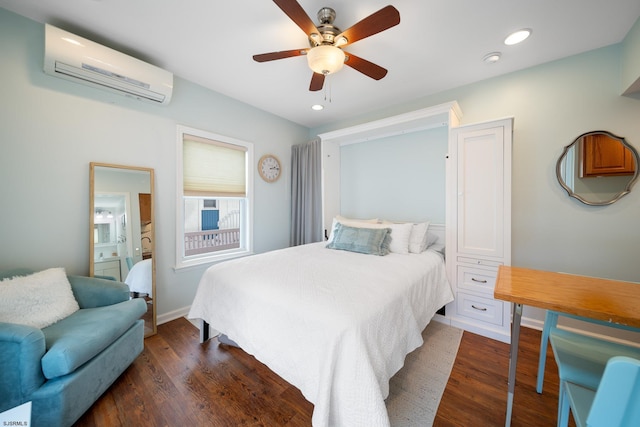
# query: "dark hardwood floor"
177,381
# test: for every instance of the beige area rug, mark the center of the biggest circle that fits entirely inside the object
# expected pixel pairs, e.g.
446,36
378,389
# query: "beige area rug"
415,391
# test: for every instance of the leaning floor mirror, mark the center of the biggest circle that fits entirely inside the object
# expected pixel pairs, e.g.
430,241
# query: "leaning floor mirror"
121,231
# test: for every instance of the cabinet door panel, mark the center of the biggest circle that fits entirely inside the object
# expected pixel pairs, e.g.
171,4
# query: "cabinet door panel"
604,156
480,191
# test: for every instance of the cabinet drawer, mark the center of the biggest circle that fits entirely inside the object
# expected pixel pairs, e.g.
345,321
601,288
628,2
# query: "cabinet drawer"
480,308
479,261
476,279
106,265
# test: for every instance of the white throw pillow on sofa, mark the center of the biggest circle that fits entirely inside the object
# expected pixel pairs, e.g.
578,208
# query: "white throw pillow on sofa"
39,299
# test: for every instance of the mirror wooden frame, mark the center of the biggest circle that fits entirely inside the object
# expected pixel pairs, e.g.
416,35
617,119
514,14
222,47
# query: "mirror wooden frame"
584,197
117,256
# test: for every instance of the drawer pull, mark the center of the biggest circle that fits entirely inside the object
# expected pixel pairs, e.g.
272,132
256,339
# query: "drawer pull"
473,279
478,308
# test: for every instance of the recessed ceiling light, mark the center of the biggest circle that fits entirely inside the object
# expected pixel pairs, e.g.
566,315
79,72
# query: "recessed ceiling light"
492,58
317,107
517,37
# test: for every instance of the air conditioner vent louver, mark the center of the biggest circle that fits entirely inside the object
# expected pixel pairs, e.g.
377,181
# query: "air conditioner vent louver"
74,58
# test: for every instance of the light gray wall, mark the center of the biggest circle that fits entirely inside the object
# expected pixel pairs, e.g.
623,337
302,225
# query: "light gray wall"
398,178
552,104
50,129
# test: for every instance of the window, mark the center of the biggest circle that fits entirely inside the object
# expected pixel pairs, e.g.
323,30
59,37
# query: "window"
215,180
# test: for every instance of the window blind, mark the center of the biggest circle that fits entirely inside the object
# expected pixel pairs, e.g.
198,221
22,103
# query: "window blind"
213,168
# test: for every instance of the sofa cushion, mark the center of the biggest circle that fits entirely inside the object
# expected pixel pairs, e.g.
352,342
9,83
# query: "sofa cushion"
37,299
76,339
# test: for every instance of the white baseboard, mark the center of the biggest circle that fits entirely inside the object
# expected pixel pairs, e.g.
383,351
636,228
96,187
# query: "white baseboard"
539,325
173,315
532,323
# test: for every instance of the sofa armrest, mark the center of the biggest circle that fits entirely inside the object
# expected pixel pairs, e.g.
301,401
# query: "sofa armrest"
91,292
21,351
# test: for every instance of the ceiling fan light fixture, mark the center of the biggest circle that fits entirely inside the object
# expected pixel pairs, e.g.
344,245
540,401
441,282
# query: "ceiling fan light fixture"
325,59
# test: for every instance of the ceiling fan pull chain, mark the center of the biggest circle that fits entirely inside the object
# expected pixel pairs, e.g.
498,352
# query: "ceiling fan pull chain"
327,87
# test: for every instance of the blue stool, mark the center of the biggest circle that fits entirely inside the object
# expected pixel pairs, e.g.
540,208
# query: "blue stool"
616,402
551,321
581,361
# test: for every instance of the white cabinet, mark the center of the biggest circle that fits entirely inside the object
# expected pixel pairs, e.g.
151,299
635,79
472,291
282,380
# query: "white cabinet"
110,268
479,225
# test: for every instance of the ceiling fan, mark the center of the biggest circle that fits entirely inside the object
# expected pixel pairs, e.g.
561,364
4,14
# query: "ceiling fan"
325,55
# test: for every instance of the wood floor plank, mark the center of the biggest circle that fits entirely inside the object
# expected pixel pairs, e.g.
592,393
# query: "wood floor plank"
178,381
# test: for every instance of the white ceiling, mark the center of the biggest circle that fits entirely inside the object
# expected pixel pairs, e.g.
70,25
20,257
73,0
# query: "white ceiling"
438,45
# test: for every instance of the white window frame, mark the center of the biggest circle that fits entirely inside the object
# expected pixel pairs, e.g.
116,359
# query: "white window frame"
246,247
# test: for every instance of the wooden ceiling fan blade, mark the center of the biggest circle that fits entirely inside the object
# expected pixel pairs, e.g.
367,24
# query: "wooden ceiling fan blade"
271,56
367,68
317,81
297,14
381,20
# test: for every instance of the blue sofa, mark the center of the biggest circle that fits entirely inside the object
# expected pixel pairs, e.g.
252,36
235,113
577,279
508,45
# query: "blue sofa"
64,368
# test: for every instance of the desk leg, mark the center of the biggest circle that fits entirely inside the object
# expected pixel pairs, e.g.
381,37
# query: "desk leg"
513,359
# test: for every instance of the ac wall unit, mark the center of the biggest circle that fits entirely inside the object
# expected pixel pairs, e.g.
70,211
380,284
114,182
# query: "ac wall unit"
80,60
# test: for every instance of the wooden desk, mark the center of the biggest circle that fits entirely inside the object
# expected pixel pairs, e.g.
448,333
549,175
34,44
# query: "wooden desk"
602,299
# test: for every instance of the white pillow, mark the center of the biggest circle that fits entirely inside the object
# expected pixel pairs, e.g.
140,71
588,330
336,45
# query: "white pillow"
431,240
37,300
418,239
351,222
400,235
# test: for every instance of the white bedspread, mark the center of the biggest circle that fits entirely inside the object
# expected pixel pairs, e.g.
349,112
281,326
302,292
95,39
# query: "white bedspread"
140,277
335,324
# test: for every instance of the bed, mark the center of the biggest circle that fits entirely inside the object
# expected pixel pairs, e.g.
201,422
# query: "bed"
334,323
140,278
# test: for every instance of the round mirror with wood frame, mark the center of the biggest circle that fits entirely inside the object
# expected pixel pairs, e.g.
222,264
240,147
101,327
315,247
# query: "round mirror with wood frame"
598,168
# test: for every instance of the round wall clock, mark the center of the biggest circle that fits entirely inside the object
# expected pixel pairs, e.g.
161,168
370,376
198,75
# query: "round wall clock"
269,168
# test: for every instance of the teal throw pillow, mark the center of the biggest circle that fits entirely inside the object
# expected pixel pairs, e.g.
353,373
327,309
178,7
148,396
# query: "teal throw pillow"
373,241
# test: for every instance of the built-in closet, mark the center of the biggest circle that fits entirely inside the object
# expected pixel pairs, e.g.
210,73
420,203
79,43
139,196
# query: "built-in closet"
478,227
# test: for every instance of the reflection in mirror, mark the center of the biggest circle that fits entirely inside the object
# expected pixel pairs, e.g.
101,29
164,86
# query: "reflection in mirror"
122,231
598,168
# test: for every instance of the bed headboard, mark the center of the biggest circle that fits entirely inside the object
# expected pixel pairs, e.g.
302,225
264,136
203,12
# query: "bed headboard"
438,230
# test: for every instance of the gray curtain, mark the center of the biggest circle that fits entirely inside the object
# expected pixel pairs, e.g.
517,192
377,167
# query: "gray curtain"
306,193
